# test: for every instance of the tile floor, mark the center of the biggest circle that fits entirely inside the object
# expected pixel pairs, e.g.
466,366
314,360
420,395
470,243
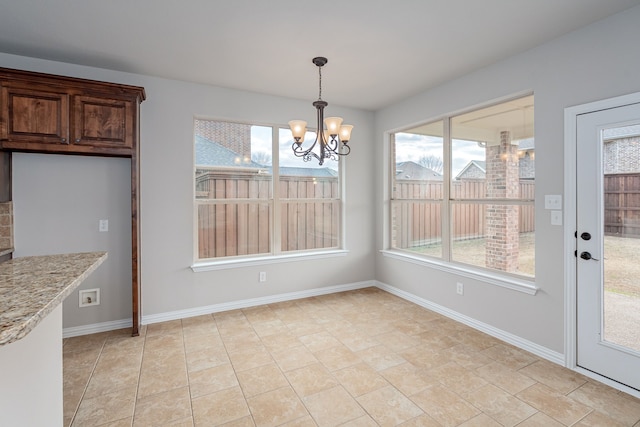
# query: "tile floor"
360,358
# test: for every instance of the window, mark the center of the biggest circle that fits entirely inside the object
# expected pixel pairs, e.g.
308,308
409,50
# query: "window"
463,189
254,198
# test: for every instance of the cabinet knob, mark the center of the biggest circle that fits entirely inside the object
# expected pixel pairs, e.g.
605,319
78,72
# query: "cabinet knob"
64,140
77,140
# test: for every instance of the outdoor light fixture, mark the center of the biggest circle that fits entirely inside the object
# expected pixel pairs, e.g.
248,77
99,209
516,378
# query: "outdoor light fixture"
332,141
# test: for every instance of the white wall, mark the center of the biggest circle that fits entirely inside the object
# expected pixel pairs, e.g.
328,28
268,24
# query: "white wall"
598,61
166,211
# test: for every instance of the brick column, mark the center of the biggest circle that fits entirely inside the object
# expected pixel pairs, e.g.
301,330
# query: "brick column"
502,228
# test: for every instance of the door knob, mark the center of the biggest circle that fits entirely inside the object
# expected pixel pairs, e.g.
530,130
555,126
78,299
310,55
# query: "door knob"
587,256
585,236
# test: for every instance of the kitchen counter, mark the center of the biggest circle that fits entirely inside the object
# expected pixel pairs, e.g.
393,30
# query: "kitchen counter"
32,287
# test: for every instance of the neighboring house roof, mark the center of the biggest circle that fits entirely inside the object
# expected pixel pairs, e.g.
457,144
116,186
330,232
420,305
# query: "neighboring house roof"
413,170
314,172
526,144
473,164
209,153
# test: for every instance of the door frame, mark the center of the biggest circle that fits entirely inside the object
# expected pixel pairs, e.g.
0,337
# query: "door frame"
570,212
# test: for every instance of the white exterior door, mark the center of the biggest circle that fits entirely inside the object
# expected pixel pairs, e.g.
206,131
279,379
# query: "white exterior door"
608,243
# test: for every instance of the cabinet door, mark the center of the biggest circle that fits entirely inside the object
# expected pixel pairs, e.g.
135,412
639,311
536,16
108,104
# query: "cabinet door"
34,115
103,122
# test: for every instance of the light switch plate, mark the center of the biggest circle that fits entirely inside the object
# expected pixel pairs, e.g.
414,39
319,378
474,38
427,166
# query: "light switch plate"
556,217
103,225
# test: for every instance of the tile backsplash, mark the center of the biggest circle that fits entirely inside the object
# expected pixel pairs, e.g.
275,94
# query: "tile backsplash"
6,225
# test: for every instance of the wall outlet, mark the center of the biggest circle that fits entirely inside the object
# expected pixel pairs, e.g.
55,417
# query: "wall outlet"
459,288
103,225
263,276
89,297
553,202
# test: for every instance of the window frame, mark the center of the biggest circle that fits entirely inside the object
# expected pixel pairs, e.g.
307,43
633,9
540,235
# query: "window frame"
275,203
522,283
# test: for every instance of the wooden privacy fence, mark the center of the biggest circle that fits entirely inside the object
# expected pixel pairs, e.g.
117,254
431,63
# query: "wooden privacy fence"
235,212
622,205
417,211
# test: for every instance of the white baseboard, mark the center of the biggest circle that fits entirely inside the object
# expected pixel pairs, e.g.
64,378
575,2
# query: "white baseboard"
235,305
512,339
76,331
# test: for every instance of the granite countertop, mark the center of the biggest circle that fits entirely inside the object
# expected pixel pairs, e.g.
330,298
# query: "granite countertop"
4,251
31,287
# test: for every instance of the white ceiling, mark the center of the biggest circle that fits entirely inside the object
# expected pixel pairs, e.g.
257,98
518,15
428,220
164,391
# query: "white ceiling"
379,51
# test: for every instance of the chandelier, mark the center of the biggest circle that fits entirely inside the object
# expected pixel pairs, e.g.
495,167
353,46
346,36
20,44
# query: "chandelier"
332,141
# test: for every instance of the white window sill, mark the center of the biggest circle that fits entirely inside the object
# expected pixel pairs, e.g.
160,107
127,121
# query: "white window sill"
247,262
513,283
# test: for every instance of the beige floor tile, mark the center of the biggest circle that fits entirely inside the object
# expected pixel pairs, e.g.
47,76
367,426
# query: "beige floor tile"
357,342
388,407
499,405
423,420
276,407
240,342
319,341
437,341
362,340
250,358
206,358
363,421
193,343
113,379
105,408
424,357
360,379
408,379
163,408
507,379
281,341
211,380
597,419
164,328
622,408
540,419
86,358
554,376
220,407
270,327
472,338
445,407
242,422
397,341
332,407
170,359
467,356
338,357
554,404
158,380
293,358
510,356
456,378
311,379
380,357
125,422
173,342
261,380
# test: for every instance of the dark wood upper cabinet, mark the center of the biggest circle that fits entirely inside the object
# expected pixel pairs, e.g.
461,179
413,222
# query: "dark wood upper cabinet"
44,113
55,114
34,114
